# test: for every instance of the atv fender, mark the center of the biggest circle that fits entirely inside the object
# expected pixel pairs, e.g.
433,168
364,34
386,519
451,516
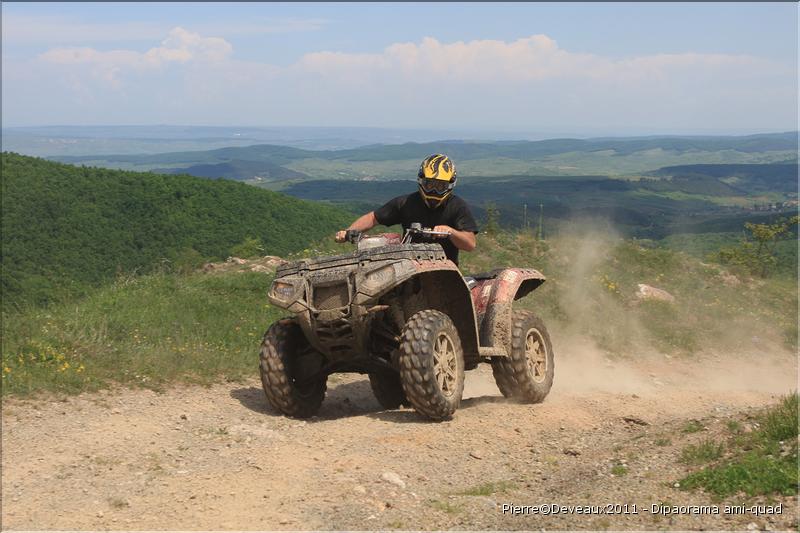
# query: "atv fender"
493,296
447,292
440,286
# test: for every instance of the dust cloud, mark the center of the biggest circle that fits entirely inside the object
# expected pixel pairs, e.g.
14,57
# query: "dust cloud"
584,367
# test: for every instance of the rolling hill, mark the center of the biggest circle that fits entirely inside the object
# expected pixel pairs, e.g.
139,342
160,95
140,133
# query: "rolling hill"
393,161
67,227
744,179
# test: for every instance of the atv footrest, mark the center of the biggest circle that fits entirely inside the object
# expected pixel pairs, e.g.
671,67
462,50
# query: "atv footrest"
492,351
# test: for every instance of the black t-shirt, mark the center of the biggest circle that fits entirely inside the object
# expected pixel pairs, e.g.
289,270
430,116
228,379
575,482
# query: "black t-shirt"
411,208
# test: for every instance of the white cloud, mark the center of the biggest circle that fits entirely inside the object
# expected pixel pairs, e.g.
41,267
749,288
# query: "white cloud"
529,83
180,46
525,60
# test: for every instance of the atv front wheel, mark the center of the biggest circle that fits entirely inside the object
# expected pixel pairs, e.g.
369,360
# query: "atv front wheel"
388,390
432,364
527,373
287,360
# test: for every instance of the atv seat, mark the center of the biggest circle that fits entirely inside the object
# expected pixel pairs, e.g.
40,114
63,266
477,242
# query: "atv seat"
473,279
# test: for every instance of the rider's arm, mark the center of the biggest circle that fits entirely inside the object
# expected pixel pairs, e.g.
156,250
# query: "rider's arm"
362,223
464,237
365,222
463,240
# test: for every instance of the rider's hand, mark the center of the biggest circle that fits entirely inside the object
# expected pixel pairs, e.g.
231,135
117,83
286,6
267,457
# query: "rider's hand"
444,229
341,236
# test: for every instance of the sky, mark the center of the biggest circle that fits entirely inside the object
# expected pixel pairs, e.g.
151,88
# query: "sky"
579,68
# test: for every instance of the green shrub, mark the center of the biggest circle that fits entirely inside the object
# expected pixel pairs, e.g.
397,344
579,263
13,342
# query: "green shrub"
249,248
764,461
704,452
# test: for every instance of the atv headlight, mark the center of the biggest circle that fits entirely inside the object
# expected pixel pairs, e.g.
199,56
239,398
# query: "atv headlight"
282,290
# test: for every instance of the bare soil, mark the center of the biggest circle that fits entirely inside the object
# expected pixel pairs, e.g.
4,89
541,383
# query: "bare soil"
610,432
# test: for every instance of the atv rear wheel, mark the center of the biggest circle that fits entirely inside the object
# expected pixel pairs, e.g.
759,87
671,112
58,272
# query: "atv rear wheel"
432,364
527,373
388,390
286,359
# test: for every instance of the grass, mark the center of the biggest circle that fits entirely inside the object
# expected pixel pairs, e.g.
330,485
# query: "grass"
692,426
146,331
153,330
619,470
704,452
487,489
447,507
764,462
734,426
662,441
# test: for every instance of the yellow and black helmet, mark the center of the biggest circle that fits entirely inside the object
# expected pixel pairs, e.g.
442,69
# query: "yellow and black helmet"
436,179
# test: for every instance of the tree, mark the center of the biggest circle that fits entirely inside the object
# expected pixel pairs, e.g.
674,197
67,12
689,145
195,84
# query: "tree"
492,219
250,247
756,252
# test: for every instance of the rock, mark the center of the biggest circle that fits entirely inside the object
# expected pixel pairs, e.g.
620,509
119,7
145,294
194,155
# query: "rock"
184,417
646,292
260,268
272,261
752,526
476,455
359,489
571,451
729,279
236,260
208,267
394,479
99,514
635,420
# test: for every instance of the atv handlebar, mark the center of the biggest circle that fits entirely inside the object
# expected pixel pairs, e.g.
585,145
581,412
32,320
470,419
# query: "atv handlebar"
417,229
353,235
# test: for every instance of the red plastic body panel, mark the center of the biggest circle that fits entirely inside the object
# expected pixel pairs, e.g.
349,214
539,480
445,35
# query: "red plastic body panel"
492,297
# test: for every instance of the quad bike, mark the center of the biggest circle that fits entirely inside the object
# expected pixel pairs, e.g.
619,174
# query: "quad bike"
402,313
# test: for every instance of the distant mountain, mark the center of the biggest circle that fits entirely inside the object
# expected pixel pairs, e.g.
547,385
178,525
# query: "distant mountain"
67,227
527,150
694,196
275,154
392,161
238,170
48,141
466,150
746,179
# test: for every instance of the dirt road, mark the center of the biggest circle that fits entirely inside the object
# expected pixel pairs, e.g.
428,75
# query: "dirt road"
218,458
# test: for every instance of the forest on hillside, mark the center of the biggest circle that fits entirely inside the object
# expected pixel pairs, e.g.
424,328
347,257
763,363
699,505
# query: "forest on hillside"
67,227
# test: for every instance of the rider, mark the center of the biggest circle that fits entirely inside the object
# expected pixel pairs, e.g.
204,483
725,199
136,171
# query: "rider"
434,206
